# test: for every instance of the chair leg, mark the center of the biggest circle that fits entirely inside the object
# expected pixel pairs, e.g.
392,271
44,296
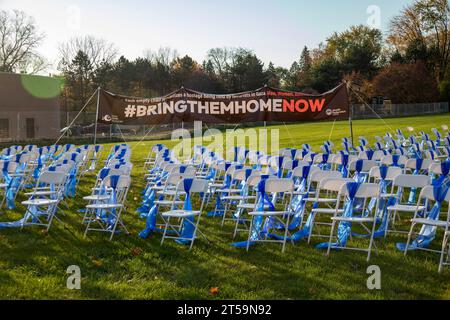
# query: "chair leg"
371,240
409,238
249,234
331,237
165,231
441,262
225,209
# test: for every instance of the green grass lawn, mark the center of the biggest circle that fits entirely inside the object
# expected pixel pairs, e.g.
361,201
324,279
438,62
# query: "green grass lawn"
33,263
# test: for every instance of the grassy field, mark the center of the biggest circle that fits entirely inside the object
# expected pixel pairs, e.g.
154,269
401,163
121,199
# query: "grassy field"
33,263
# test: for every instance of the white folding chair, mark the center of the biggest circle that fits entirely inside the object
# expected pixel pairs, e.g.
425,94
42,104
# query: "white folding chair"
188,218
271,187
401,184
429,225
42,208
107,216
366,191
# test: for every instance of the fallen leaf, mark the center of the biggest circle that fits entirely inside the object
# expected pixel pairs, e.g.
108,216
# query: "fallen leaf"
214,291
136,251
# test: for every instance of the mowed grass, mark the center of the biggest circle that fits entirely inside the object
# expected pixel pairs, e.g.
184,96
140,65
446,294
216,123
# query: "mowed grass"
33,263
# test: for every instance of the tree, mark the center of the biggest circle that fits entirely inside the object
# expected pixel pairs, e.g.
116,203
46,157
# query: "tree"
406,83
305,65
424,26
78,86
357,49
98,51
19,40
246,73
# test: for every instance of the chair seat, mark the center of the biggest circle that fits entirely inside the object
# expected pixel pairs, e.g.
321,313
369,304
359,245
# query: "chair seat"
180,213
97,197
229,191
405,208
353,219
40,193
104,206
171,192
216,185
327,211
168,202
251,206
39,202
428,222
238,198
269,213
321,200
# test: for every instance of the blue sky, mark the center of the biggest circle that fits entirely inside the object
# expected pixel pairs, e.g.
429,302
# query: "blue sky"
275,30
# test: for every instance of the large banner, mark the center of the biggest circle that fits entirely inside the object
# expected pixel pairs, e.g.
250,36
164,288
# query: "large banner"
184,105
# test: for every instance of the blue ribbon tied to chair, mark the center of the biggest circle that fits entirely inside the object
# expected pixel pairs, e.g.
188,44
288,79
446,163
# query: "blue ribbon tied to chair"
344,228
258,221
428,233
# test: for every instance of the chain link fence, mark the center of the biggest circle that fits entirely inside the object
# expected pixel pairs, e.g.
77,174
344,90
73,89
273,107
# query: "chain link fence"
388,110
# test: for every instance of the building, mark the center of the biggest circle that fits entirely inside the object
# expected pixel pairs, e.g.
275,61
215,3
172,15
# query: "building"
29,107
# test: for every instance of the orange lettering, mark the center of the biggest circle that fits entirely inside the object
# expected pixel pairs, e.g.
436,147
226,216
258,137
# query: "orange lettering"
305,106
288,106
316,105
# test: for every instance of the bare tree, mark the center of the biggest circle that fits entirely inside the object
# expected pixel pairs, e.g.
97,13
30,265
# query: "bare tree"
19,39
164,56
97,50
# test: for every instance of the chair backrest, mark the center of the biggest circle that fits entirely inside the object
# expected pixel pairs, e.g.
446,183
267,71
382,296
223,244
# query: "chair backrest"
367,165
241,174
392,173
198,186
428,193
388,160
298,171
411,181
123,182
320,158
56,178
365,191
256,178
319,175
412,164
279,185
11,166
435,168
334,185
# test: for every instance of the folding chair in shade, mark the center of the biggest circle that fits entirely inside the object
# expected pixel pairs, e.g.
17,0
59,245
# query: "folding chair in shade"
106,217
324,203
165,198
231,199
394,161
434,197
188,218
248,204
11,180
99,193
260,231
445,254
42,207
418,166
345,218
360,169
401,184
